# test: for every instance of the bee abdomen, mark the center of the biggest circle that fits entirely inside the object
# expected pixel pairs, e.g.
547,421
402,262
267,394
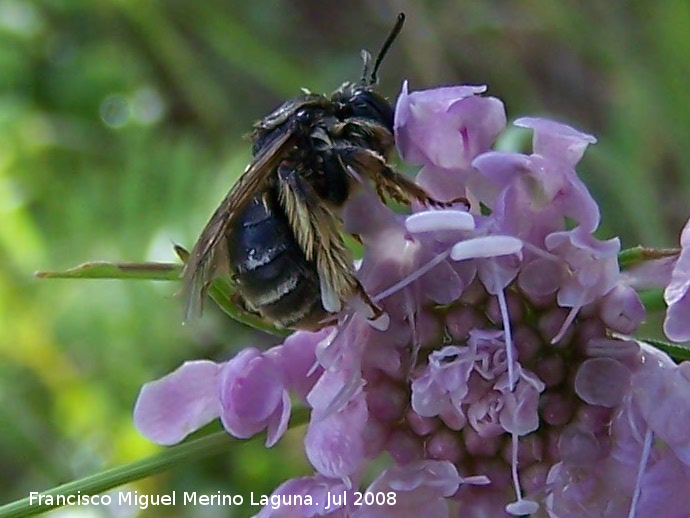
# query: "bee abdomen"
272,273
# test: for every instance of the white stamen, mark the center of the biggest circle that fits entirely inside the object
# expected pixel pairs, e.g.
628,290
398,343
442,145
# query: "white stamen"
521,506
569,320
412,277
486,246
646,451
433,220
508,335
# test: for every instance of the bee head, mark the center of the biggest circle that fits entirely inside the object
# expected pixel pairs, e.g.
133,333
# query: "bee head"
364,102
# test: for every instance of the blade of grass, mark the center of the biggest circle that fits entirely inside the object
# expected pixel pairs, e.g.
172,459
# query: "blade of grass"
194,450
108,270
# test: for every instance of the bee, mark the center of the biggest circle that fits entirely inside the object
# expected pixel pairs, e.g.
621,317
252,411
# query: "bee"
278,233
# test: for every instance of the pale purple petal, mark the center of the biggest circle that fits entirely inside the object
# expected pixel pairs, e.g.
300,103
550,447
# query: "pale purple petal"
677,294
442,284
665,489
592,265
420,489
627,352
278,422
484,415
540,277
555,140
172,407
519,414
502,168
603,382
446,127
533,195
602,490
334,442
297,356
448,184
496,273
252,395
443,383
661,391
651,274
309,496
579,445
622,310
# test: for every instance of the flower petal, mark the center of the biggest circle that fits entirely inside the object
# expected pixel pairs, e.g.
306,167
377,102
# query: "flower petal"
677,294
172,407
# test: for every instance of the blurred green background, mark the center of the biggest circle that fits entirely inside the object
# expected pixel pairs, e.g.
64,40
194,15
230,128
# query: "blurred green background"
121,127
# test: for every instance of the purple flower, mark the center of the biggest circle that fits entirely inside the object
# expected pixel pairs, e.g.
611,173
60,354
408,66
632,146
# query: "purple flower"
506,381
446,127
249,393
639,467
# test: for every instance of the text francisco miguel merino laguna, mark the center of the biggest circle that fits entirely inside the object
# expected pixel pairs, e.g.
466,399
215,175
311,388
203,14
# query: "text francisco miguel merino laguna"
143,501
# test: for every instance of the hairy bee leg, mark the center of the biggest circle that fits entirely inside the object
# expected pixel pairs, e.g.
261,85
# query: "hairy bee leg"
386,179
375,315
317,231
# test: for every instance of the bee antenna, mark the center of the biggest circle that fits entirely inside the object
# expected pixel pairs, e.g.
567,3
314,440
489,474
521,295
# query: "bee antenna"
373,78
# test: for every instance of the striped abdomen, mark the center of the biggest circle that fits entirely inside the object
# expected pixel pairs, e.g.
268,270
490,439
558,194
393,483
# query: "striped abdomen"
273,275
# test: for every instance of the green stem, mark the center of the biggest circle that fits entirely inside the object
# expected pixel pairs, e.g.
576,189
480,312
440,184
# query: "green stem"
109,270
190,451
221,290
633,256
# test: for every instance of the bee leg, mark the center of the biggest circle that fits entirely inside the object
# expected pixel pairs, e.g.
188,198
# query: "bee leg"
375,315
387,179
376,311
317,231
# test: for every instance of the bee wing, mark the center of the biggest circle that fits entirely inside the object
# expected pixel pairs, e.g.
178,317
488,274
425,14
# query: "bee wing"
209,256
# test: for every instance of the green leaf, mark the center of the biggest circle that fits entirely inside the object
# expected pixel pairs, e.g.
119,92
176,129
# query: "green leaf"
190,451
107,270
677,352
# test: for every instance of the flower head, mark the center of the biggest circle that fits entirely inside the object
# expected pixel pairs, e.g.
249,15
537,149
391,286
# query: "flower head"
505,382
